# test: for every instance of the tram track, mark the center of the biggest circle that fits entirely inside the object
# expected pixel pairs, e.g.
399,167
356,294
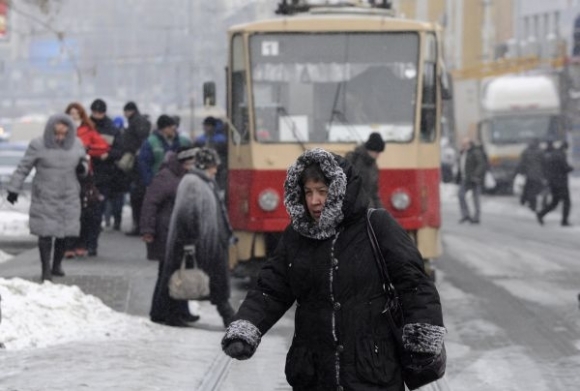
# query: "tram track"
217,373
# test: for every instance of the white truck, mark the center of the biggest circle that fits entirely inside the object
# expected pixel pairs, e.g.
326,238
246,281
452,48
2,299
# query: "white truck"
515,110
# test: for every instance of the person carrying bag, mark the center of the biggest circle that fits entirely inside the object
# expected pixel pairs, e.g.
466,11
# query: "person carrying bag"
324,262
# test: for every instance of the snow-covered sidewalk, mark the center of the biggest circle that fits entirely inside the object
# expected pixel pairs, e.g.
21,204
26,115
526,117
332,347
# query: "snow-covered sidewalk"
58,338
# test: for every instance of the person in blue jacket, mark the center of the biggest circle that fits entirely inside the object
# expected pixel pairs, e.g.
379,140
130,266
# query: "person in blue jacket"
152,152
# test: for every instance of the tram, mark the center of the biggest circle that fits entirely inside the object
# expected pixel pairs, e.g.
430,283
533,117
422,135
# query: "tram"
327,76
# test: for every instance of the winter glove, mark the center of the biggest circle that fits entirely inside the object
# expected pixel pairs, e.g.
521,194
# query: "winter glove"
239,350
12,197
81,170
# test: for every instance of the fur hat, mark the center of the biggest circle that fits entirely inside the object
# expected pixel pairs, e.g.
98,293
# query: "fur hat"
205,158
375,143
211,121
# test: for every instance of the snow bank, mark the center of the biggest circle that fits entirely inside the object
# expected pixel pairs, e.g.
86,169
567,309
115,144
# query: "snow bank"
13,223
41,315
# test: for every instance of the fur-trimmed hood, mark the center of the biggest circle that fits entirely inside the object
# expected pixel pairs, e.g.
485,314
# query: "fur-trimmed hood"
49,140
342,203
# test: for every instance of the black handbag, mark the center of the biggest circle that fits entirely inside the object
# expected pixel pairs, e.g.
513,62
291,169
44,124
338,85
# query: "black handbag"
416,372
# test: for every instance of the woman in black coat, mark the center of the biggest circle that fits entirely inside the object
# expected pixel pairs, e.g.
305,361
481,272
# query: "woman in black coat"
325,263
155,218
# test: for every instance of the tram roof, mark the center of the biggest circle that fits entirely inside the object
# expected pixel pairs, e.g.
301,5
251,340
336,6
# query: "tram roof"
333,23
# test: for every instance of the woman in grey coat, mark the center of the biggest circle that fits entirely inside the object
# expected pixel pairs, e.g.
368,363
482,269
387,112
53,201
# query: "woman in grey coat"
58,157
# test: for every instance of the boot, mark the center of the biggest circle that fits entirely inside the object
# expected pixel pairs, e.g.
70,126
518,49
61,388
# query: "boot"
45,248
59,247
226,312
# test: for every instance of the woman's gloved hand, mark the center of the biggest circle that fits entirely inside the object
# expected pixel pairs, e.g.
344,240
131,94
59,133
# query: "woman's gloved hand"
239,350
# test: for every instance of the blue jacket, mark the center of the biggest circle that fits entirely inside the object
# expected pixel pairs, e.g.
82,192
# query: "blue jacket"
152,154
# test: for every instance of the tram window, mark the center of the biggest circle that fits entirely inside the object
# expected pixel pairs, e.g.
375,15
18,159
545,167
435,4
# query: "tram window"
239,90
428,125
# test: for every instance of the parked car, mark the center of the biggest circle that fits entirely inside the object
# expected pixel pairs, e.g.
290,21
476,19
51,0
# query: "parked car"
10,156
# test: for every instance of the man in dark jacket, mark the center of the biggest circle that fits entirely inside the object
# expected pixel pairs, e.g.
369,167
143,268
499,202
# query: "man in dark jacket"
153,150
556,170
133,138
364,159
531,166
110,181
325,262
472,167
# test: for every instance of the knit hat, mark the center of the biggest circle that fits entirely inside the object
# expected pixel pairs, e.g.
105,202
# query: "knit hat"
130,106
164,121
210,121
205,158
99,106
375,143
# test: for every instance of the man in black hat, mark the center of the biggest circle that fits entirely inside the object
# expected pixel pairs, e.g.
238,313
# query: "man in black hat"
110,181
556,170
161,141
133,138
364,160
215,138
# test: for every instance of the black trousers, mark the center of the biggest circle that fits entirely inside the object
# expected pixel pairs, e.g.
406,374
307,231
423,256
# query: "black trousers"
137,195
530,193
559,193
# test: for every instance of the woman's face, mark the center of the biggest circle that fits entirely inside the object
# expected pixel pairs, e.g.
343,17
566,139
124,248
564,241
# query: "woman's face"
74,114
188,164
211,171
315,193
60,131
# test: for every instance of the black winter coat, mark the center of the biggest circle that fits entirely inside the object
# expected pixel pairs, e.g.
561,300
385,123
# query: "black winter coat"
556,168
106,172
341,337
137,132
475,166
368,170
531,164
158,205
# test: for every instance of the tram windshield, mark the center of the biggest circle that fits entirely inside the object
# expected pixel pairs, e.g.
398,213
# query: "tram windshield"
334,87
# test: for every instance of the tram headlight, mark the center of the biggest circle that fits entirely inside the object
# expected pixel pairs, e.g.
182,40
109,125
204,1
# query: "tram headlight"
268,200
400,200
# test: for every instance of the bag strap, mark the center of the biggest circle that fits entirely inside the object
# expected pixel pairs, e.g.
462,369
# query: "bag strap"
380,259
189,250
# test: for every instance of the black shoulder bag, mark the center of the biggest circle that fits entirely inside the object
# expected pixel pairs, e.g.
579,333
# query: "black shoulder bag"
416,372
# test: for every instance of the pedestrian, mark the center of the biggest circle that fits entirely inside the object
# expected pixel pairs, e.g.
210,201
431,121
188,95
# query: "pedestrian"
98,150
325,262
364,159
531,166
153,150
111,182
556,170
199,218
58,157
133,137
155,218
214,137
470,175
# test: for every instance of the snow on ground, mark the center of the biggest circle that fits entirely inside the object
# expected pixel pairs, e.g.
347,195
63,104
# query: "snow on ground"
40,315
